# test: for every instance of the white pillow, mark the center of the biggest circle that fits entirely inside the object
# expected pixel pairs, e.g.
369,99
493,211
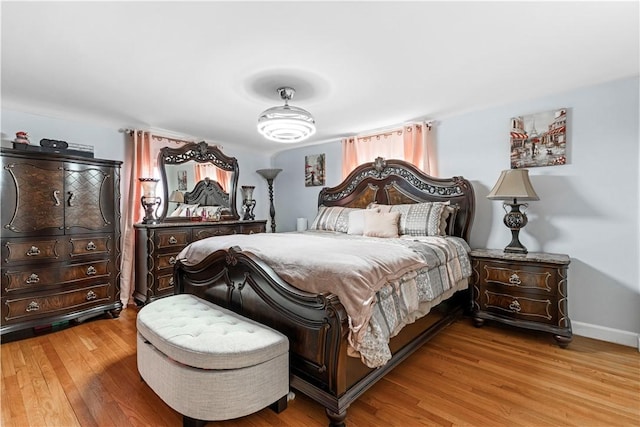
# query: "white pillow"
381,224
356,221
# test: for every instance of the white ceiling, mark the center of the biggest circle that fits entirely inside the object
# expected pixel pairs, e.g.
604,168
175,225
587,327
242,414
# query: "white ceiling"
207,69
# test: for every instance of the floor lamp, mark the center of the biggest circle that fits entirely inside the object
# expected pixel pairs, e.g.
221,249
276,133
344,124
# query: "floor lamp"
270,175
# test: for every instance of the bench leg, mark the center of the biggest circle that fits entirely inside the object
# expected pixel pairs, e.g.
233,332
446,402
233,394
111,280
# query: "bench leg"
279,405
192,422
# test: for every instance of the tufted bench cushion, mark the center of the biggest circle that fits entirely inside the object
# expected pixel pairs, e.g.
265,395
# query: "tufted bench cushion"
209,363
197,333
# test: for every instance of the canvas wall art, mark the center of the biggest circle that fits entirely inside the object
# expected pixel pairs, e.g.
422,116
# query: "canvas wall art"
182,180
539,139
314,170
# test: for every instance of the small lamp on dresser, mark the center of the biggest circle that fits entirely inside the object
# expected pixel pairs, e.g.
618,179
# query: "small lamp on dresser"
149,200
176,197
514,184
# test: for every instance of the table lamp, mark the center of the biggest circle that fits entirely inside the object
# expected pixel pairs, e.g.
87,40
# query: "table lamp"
514,184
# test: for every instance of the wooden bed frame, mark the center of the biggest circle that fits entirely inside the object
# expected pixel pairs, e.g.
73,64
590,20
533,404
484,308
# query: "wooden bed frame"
316,324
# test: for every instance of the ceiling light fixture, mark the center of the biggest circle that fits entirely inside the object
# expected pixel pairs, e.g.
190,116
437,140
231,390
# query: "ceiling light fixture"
286,123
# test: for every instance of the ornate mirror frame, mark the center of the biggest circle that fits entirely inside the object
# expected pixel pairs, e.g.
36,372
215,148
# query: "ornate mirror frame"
199,152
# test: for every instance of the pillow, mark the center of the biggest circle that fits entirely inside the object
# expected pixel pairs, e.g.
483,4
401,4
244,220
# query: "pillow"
176,212
356,221
332,218
381,224
417,219
448,220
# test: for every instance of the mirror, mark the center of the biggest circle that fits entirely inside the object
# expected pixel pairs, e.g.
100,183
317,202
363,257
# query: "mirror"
201,174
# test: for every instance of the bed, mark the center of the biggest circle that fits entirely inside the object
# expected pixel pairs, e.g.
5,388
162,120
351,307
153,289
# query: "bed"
326,363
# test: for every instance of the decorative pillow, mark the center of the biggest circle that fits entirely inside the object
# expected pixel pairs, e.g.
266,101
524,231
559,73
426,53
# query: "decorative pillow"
356,221
177,211
417,219
332,218
448,220
381,224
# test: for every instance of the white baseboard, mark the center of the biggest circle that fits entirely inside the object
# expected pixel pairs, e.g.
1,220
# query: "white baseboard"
603,333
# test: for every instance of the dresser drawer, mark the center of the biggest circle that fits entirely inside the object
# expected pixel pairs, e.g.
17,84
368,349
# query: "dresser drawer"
35,279
89,246
165,284
220,230
172,238
519,307
253,228
165,261
21,309
16,252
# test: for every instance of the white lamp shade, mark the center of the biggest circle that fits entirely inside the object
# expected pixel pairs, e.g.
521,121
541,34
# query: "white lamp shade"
513,184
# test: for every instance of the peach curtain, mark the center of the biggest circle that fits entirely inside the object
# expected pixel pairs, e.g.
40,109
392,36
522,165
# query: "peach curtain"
141,151
141,163
208,170
410,142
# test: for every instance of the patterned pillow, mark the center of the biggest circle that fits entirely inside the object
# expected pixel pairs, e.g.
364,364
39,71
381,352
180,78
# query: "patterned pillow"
418,219
332,218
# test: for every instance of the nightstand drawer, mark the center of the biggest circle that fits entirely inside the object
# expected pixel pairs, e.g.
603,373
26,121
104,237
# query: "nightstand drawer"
166,260
519,278
518,307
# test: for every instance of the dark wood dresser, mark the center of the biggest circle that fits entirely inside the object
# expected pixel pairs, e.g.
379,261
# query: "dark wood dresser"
60,238
157,247
524,290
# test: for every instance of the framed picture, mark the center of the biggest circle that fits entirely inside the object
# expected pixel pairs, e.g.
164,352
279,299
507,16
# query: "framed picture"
314,170
539,139
182,180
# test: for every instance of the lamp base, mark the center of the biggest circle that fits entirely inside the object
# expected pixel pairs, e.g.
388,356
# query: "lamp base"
515,220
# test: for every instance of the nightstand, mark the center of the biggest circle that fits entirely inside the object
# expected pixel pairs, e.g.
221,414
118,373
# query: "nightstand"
523,290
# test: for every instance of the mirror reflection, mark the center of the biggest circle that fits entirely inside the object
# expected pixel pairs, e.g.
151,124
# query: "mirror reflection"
199,180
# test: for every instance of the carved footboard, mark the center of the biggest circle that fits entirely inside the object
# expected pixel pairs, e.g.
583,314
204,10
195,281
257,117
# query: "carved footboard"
316,325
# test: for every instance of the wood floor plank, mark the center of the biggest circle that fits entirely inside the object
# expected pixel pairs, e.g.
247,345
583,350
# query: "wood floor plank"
465,376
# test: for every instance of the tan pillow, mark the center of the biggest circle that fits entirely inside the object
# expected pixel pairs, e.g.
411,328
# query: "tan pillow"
381,224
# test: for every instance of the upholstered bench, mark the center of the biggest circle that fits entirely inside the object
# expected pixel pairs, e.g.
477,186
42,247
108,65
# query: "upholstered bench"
209,363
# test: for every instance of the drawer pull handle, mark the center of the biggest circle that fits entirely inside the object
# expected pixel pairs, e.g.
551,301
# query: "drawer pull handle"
91,295
515,279
33,279
171,281
173,240
91,270
33,306
56,197
515,306
91,246
172,260
33,251
72,198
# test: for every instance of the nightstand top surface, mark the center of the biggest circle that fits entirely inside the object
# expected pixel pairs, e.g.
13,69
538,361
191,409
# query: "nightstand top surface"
530,256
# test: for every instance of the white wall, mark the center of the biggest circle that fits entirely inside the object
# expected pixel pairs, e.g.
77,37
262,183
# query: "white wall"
588,208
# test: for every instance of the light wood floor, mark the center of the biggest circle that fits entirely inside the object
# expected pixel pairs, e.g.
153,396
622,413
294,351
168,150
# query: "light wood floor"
86,375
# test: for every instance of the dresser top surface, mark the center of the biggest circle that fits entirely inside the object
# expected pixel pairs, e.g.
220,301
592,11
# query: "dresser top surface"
174,224
500,254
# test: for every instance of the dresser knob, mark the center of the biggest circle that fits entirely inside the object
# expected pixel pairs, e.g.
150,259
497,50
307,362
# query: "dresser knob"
91,295
515,306
171,281
515,279
33,251
33,306
91,246
91,270
173,240
33,279
172,260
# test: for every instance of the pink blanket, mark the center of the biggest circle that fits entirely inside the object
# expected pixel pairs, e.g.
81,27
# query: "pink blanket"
352,267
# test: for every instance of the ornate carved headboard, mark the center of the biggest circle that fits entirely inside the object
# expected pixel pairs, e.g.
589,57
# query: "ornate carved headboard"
207,193
394,182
